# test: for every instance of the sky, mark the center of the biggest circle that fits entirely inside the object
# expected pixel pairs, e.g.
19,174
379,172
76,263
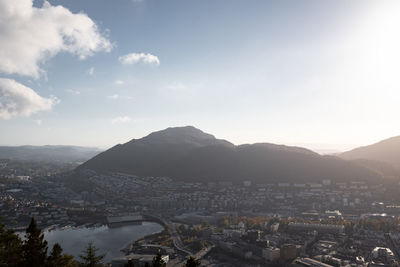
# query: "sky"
319,74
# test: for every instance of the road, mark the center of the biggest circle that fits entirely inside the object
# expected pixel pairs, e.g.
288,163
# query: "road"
176,239
392,246
179,246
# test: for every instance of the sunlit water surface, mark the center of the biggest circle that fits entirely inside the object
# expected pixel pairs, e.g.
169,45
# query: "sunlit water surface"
108,240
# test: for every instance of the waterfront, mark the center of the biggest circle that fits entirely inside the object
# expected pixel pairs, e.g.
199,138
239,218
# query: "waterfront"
108,240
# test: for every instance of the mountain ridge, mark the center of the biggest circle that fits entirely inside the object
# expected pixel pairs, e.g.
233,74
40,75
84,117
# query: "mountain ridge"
48,153
189,154
387,151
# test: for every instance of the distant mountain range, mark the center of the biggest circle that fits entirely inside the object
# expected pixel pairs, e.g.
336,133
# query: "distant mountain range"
384,155
62,154
188,154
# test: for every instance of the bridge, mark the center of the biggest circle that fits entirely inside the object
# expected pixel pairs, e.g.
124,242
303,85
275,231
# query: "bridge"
176,239
115,221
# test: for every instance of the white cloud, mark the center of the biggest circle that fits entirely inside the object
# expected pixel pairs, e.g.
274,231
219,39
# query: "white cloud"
119,82
120,97
176,86
74,92
30,35
38,122
115,96
18,100
91,71
122,119
134,58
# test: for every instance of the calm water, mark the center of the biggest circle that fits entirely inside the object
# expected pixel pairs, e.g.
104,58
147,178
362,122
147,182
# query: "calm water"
108,240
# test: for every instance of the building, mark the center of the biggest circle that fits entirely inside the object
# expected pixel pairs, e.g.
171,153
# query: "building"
253,235
247,183
383,253
274,227
333,214
288,252
271,254
321,228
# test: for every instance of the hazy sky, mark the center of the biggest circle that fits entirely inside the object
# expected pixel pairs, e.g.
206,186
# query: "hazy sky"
99,72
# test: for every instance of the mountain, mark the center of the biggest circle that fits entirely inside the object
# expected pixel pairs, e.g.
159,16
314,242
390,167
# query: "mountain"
64,154
386,151
380,167
188,154
264,163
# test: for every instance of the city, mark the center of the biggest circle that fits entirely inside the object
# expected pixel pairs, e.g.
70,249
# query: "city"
332,223
199,133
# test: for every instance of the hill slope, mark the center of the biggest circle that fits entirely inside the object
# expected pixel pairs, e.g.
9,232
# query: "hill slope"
189,154
387,151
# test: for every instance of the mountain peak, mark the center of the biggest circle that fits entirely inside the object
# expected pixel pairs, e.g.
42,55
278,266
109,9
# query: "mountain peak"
181,131
183,135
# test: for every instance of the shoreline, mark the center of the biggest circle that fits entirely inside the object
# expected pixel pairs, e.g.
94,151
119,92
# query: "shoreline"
129,246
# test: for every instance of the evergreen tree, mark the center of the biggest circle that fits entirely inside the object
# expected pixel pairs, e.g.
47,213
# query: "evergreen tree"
192,262
10,248
158,261
57,259
129,264
34,247
89,257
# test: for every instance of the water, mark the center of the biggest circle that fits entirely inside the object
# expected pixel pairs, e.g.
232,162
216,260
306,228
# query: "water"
107,240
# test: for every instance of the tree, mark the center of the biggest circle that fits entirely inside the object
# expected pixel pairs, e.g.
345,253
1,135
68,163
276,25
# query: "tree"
129,264
10,248
349,229
89,257
192,262
34,247
205,224
57,259
158,261
224,222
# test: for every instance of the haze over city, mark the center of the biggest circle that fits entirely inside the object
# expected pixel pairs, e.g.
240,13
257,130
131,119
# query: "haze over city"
318,74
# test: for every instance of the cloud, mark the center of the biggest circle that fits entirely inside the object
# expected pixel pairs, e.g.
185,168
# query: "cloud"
30,35
74,92
119,82
176,87
115,96
134,58
122,119
38,122
120,97
91,71
18,100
